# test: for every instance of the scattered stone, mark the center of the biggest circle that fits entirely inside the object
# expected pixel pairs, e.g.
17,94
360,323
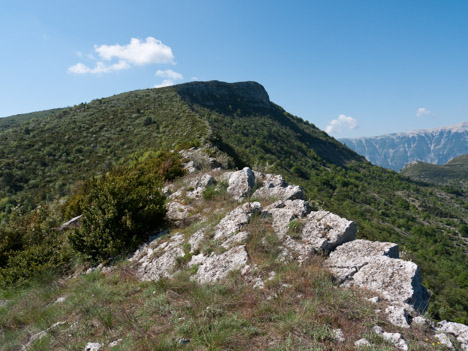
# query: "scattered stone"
93,346
196,240
444,340
374,299
338,335
184,341
72,223
39,336
241,183
3,303
362,343
61,299
114,343
395,338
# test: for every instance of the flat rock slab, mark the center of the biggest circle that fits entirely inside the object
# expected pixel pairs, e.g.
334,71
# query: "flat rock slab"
350,257
214,268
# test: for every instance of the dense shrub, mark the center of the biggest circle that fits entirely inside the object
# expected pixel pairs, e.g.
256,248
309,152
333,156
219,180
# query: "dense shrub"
121,207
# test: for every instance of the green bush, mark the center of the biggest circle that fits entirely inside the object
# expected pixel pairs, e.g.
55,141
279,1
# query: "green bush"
121,207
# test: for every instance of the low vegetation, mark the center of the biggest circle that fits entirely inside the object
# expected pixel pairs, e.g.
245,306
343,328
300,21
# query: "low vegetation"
43,156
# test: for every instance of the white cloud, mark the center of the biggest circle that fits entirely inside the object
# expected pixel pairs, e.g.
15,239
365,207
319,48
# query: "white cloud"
100,67
422,111
165,83
169,74
136,53
343,121
170,77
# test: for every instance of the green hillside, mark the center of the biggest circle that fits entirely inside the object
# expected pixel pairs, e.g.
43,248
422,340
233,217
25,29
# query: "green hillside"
43,158
454,173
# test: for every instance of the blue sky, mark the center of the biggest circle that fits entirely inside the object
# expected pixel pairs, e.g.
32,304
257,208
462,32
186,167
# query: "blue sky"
353,68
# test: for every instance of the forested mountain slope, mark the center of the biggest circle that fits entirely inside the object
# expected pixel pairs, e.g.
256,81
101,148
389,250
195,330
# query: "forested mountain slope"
44,157
454,173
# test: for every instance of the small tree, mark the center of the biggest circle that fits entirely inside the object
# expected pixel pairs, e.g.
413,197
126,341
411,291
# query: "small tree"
121,207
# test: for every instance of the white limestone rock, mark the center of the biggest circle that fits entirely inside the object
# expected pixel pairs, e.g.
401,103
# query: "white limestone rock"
196,240
177,211
361,343
422,321
398,281
275,187
395,338
40,335
162,260
348,258
235,220
283,212
241,183
398,316
93,346
459,330
444,340
325,230
72,223
214,268
338,335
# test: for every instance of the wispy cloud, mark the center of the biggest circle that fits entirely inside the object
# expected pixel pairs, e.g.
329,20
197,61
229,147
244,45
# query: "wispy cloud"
100,67
336,126
422,111
169,77
136,53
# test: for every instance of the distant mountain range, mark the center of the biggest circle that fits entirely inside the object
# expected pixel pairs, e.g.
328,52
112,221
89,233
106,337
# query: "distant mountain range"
436,146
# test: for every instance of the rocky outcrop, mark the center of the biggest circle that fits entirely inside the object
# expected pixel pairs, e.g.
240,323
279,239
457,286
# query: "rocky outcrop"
375,266
213,250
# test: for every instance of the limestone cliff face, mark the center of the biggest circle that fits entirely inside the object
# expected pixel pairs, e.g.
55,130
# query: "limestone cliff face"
221,95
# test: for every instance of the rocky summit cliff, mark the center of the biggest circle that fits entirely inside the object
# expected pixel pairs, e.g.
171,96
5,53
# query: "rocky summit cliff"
436,146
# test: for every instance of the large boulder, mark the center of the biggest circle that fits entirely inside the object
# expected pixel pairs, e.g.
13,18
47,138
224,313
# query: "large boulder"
375,266
350,257
241,183
325,230
275,187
